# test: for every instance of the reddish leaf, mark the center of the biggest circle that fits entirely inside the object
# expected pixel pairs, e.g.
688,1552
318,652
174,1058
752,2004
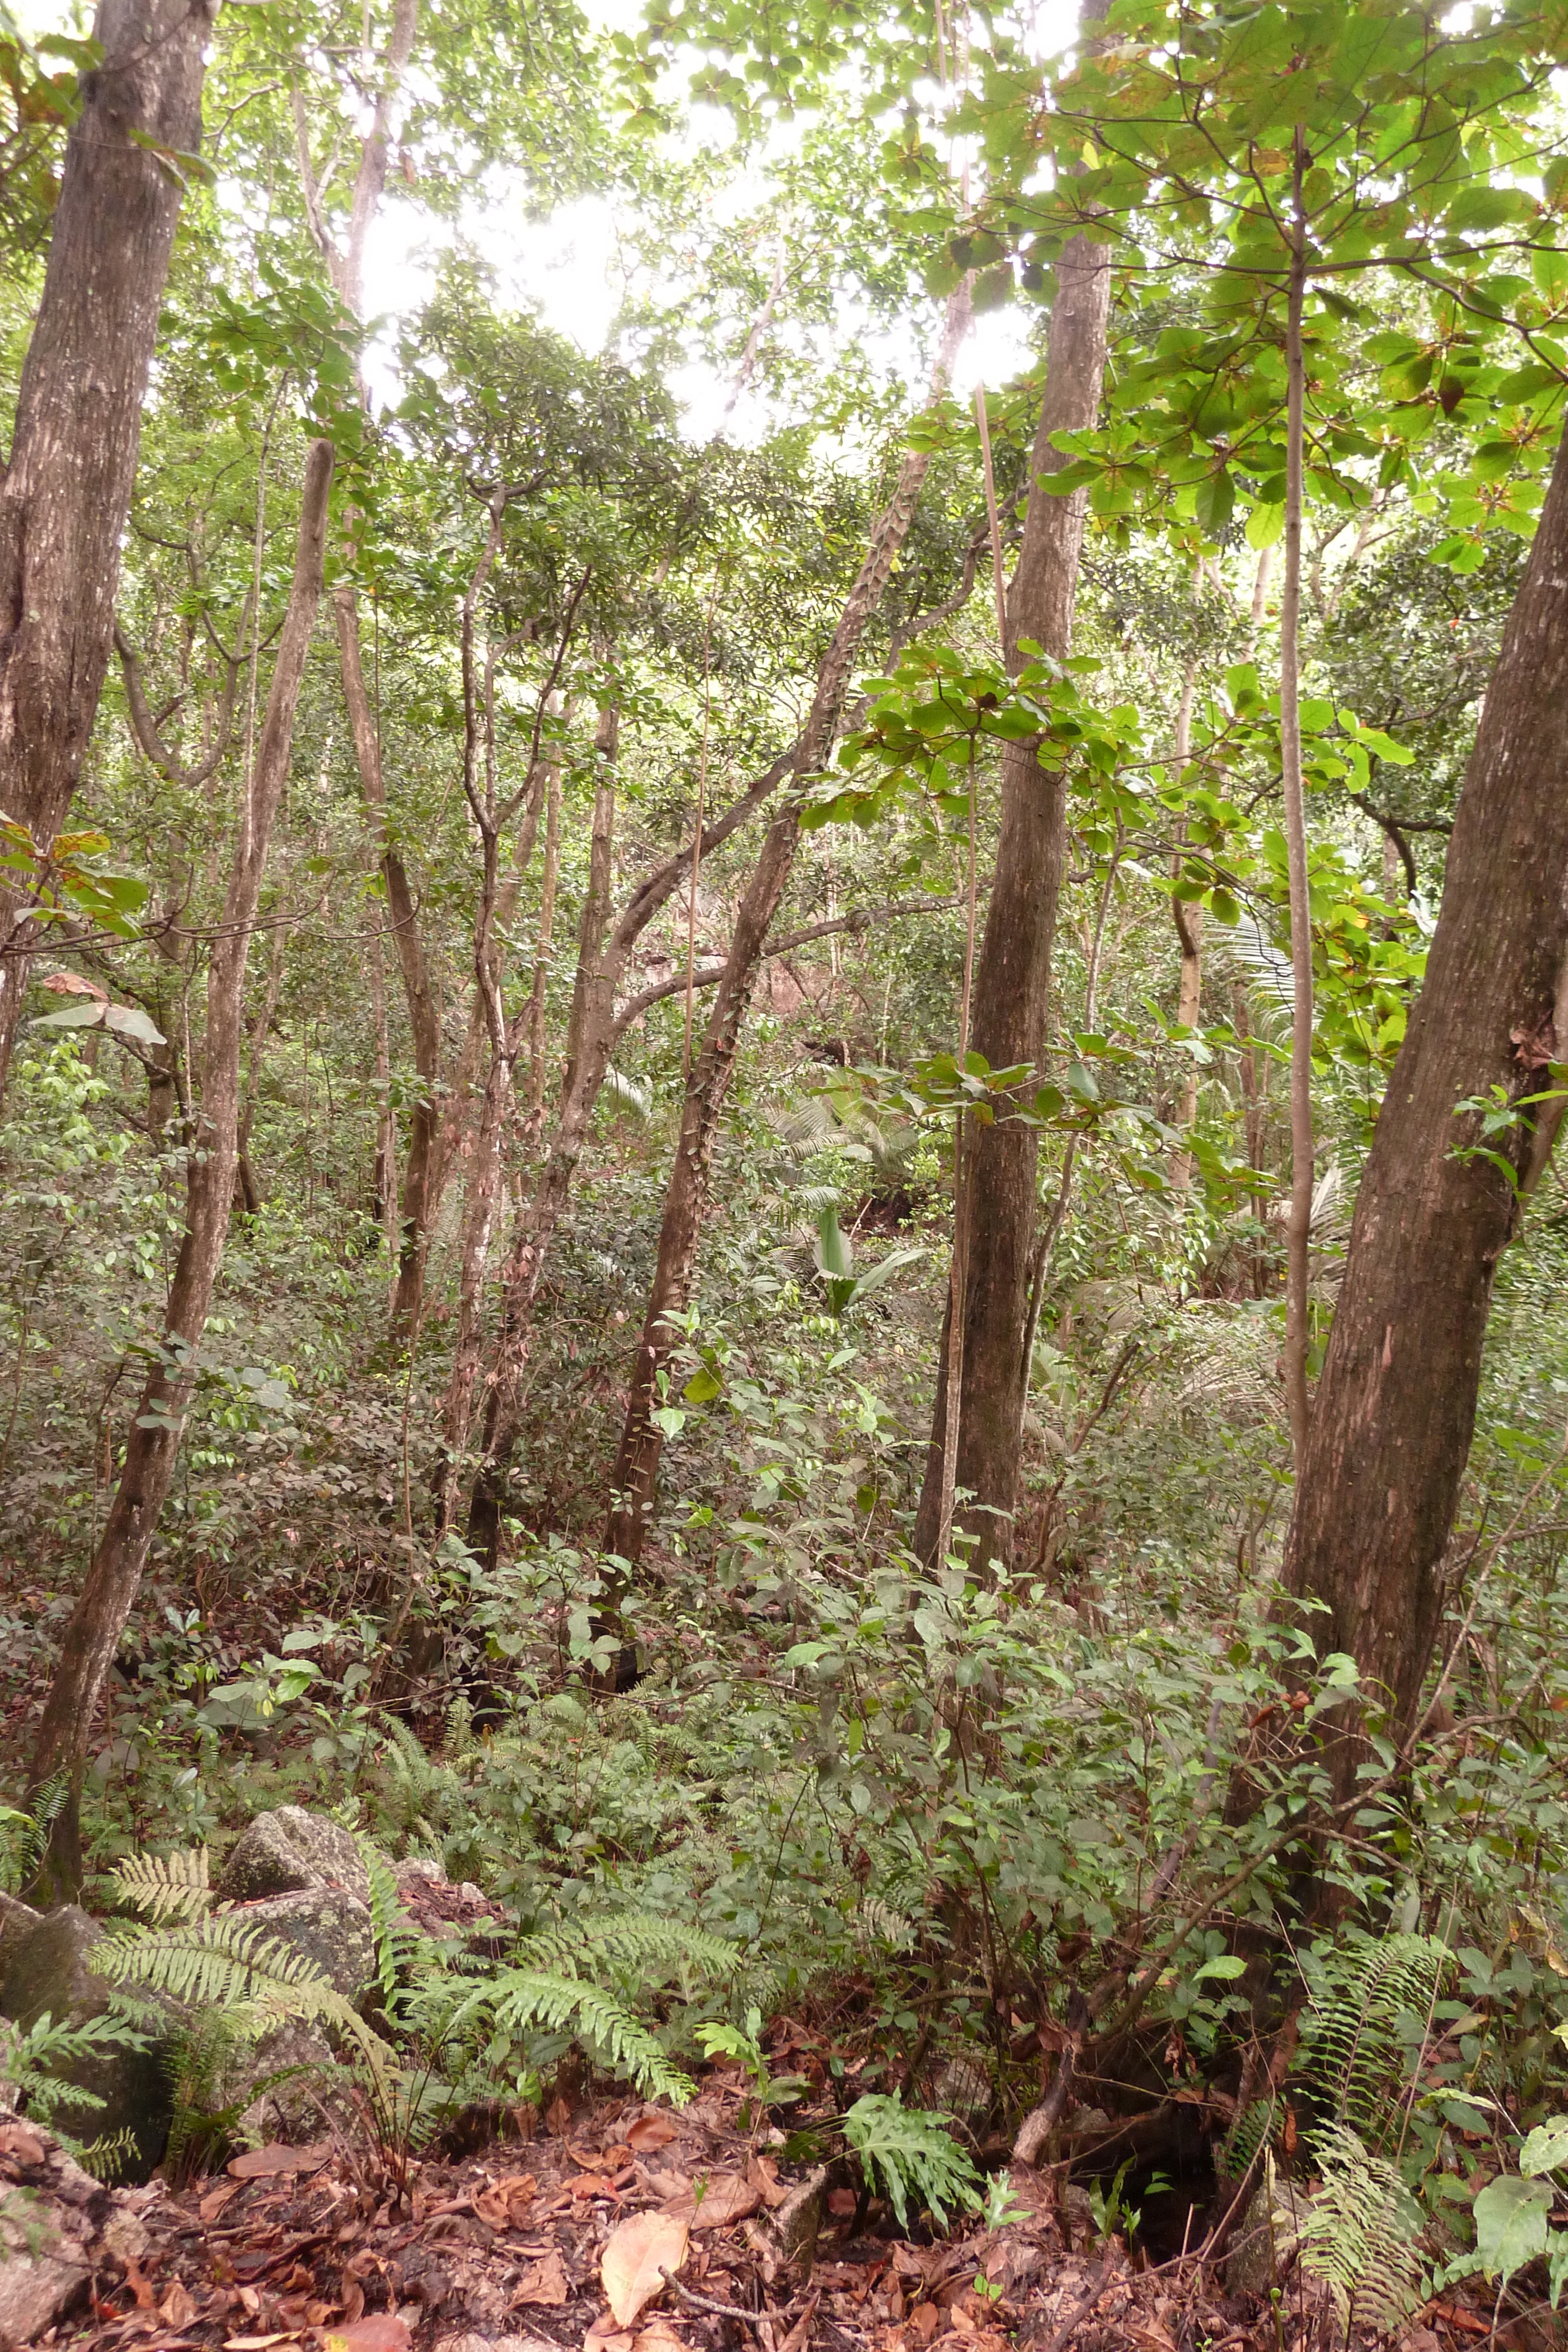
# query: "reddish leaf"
260,2163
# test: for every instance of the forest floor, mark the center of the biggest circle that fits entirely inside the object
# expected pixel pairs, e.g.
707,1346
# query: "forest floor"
511,2249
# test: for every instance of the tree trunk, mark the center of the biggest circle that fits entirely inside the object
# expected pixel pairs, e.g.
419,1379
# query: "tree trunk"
1300,1234
1188,917
424,1021
637,1463
65,493
98,1619
1013,983
1395,1408
536,1003
589,1040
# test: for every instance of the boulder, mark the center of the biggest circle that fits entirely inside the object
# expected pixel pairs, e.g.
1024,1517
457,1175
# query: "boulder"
328,1927
296,2109
58,2230
291,1852
47,1966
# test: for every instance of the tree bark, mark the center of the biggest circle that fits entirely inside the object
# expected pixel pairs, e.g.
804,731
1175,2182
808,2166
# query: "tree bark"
93,1633
536,1003
424,1021
1300,1234
1395,1408
65,493
1012,985
636,1472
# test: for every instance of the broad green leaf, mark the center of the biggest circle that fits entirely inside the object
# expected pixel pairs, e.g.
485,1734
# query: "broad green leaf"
1546,2149
1511,2224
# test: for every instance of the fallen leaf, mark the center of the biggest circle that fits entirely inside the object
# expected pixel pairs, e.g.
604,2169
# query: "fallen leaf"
317,2313
658,2336
213,2203
381,2333
258,2342
544,2283
16,2140
637,2253
841,2203
725,2198
558,2115
925,2319
763,2175
596,2340
259,2163
651,2131
178,2307
140,2287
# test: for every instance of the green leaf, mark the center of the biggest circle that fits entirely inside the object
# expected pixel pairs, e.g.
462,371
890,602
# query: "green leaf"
703,1387
1227,1966
1546,2149
1511,2224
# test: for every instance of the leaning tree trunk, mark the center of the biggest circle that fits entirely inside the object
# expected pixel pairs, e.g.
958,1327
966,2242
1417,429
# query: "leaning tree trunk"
1012,983
1392,1418
65,493
98,1619
637,1463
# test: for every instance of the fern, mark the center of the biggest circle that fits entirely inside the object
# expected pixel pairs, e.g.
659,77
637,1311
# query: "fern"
167,1886
910,2154
628,1939
1360,2234
521,1997
1367,2003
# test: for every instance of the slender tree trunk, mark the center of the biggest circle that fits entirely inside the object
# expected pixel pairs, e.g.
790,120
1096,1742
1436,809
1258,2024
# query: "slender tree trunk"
65,493
1012,985
637,1463
424,1021
1296,1263
537,1003
385,1186
590,1038
1395,1409
1189,920
93,1633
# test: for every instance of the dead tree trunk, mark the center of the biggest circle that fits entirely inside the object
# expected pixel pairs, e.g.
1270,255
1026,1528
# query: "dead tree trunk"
637,1463
1379,1482
93,1633
1012,985
65,493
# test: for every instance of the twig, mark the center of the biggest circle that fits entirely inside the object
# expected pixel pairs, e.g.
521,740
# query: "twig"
719,2310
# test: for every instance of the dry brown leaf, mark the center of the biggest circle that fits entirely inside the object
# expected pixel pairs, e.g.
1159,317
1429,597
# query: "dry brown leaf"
658,2336
71,983
260,2163
558,2115
925,2319
598,2340
763,2175
650,2132
637,2253
259,2343
213,2203
725,2198
178,2307
382,2334
544,2283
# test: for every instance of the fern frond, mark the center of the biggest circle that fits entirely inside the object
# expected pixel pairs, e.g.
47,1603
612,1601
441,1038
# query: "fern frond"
518,1998
629,1940
909,2153
397,1942
167,1886
1367,2002
1360,2234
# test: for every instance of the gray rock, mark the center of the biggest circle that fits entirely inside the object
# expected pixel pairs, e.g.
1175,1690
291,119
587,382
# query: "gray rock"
48,1967
1265,2243
328,1927
298,2109
788,2234
57,2228
288,1851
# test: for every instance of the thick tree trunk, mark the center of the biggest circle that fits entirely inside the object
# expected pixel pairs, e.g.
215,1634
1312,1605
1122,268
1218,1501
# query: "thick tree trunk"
1013,981
1392,1419
98,1619
66,492
424,1025
636,1470
536,1003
